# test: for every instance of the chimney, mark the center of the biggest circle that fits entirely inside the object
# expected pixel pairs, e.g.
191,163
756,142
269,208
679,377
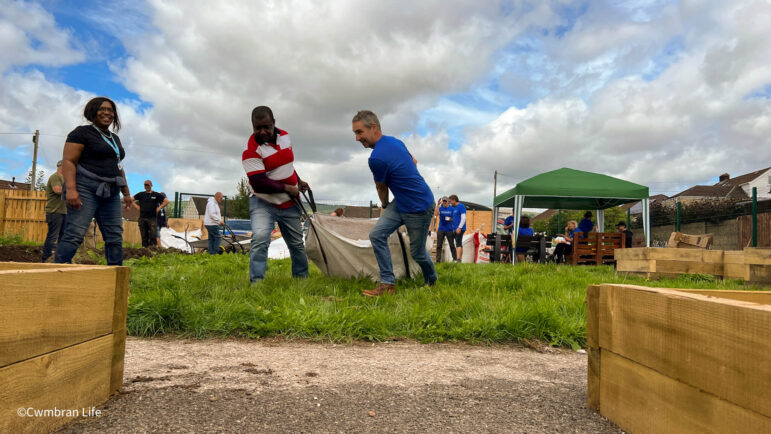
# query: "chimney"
724,177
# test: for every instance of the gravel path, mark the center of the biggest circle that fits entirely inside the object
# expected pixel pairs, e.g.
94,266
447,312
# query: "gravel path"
289,386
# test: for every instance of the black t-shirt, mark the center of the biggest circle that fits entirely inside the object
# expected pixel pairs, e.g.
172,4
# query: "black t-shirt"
628,236
98,156
148,203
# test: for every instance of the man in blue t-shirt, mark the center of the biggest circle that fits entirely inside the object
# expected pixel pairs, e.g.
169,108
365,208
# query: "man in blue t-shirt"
458,225
394,168
445,229
508,224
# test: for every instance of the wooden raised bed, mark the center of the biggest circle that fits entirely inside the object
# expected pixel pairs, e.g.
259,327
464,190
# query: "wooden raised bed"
62,341
665,360
751,264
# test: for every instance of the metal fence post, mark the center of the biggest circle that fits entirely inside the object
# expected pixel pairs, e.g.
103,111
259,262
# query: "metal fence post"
629,218
370,209
677,217
754,217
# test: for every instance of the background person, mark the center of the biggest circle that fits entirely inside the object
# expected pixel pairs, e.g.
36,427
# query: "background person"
394,168
212,219
162,221
459,224
586,225
508,224
150,204
93,181
445,229
566,247
621,227
56,211
338,212
269,164
524,229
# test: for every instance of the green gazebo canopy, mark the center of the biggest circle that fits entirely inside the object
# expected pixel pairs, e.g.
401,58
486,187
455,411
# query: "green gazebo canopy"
573,189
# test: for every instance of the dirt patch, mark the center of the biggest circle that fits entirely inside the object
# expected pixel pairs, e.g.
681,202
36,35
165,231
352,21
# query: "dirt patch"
20,253
387,387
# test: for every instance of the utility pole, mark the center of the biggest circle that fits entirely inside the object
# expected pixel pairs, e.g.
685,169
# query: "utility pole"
35,139
494,227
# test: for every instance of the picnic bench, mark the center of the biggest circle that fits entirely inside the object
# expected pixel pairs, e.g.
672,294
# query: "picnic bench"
595,248
499,247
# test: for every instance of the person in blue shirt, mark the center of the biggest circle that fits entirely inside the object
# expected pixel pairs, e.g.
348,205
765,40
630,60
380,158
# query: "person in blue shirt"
508,224
565,248
524,229
586,225
394,168
445,229
459,225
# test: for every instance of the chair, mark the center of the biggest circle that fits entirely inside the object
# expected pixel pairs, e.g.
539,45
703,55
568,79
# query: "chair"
499,247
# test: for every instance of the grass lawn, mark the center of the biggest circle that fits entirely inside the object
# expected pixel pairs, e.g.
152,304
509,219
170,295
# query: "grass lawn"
201,296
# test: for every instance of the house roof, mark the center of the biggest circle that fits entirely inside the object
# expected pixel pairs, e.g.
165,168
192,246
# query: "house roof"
11,185
656,198
728,189
546,215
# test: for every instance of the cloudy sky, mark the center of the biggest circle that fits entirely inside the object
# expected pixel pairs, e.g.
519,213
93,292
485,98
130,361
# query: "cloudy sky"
663,93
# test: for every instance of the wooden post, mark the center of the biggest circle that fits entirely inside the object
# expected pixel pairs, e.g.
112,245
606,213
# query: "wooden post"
593,345
2,213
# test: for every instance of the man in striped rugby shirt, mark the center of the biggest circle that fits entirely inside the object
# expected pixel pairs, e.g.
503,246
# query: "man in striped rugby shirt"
268,162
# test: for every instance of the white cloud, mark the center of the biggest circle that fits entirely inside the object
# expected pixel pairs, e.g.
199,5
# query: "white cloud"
592,104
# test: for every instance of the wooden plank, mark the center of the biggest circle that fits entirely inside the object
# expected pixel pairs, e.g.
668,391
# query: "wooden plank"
760,256
593,345
14,266
717,345
635,265
636,253
72,378
760,297
641,400
693,255
44,310
688,267
119,327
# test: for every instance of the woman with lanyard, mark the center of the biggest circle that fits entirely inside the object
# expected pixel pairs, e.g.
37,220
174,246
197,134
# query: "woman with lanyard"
93,181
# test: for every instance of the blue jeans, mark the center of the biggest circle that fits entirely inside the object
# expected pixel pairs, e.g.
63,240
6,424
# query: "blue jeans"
108,216
264,217
215,238
55,230
417,229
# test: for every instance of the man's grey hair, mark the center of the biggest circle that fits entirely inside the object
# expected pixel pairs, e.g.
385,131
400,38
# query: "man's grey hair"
368,118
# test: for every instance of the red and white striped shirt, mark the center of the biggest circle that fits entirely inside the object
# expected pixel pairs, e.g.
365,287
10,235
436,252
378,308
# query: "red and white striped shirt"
275,161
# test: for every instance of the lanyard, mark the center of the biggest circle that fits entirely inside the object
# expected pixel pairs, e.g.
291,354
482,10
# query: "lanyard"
110,141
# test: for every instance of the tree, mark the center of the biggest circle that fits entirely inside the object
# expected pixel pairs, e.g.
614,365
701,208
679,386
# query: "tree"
40,180
612,217
240,203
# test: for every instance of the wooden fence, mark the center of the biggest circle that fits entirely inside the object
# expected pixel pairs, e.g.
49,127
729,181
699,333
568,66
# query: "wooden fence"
764,230
474,221
22,212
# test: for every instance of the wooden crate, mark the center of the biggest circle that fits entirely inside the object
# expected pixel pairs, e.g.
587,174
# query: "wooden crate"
665,360
751,264
62,341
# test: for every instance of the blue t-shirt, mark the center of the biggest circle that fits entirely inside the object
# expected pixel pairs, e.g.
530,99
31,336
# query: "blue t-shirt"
585,226
391,164
523,231
445,218
460,209
509,220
